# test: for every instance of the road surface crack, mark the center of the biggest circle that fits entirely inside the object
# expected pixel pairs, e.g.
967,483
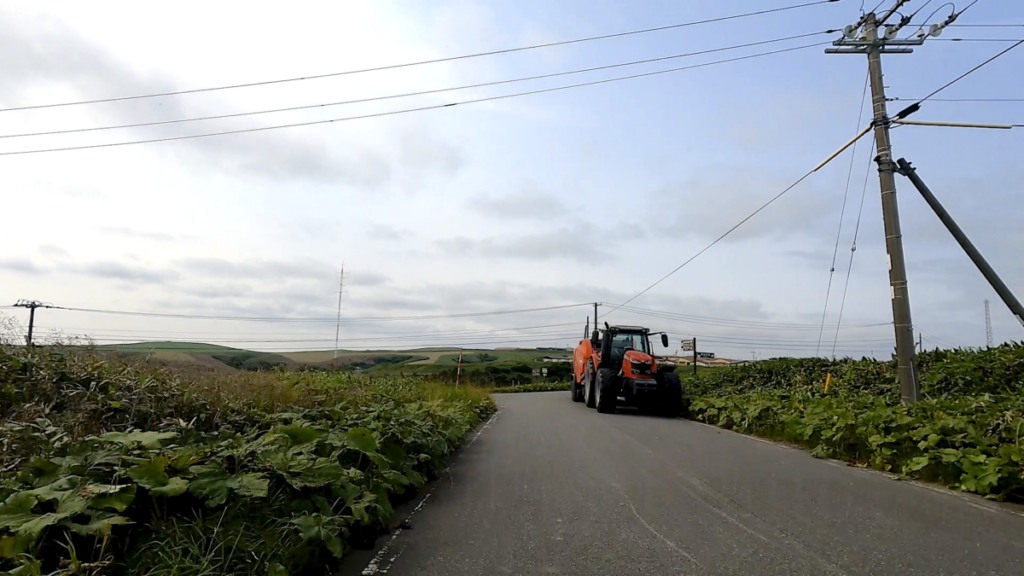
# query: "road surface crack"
670,543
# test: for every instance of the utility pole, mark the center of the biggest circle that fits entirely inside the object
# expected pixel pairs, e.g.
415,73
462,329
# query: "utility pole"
988,325
595,316
920,342
458,371
869,43
31,305
337,328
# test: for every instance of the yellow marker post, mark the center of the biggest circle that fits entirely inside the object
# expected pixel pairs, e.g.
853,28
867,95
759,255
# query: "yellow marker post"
828,380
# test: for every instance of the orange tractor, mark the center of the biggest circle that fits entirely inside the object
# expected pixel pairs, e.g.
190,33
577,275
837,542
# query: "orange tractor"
616,366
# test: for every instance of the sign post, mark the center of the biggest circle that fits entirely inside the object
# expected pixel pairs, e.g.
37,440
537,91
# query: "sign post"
691,346
694,355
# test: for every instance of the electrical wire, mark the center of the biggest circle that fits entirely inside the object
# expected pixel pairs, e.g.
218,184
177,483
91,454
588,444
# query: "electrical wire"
967,8
975,39
724,322
409,110
423,62
969,72
842,213
715,241
853,247
932,15
963,99
194,333
420,93
324,320
207,350
449,339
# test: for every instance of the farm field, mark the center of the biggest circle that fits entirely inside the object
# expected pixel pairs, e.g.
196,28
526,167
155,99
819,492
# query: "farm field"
115,467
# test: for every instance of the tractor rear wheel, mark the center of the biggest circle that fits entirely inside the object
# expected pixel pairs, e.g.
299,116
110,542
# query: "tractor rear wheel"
588,386
607,395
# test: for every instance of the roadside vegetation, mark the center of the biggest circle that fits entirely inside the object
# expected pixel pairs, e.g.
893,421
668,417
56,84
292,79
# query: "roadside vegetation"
113,466
966,432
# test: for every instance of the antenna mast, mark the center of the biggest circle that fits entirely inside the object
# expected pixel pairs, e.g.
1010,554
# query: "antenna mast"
337,328
988,325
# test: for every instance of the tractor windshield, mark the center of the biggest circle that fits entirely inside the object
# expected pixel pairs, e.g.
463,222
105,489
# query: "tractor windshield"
623,341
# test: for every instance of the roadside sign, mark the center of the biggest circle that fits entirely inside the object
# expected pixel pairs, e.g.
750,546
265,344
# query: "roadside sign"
687,345
706,355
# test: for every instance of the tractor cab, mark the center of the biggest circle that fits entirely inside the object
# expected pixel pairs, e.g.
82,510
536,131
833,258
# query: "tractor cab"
621,343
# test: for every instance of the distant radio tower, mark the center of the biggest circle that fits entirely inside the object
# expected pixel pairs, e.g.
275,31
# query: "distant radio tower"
988,325
337,328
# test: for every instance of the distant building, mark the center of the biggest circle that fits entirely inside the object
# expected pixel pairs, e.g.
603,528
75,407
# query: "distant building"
555,359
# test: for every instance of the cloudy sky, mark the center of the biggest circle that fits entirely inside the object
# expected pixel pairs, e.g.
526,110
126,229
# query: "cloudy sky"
573,196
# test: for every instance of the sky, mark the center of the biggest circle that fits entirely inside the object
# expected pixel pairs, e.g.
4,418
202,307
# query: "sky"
553,199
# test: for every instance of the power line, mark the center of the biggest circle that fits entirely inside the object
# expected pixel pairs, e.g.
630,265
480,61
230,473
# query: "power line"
452,339
206,349
969,72
420,93
330,320
423,62
419,109
976,39
962,99
853,247
740,324
715,241
205,334
842,213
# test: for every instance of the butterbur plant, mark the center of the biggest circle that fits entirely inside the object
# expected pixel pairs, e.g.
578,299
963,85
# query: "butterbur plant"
117,468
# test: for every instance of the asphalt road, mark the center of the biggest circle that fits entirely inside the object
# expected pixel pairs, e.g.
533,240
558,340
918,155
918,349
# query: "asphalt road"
551,487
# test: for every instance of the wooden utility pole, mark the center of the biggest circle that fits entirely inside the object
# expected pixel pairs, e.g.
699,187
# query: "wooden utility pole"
869,43
31,305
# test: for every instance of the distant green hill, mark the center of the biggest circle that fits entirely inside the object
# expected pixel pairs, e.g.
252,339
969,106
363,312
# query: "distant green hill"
420,359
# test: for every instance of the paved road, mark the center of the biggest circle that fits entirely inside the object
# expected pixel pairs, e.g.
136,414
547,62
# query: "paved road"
551,487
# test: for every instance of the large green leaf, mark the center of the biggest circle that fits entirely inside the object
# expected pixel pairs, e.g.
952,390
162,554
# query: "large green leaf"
210,483
16,510
149,440
109,497
150,473
252,484
320,472
33,527
213,483
56,490
100,525
361,439
317,527
299,434
39,472
175,487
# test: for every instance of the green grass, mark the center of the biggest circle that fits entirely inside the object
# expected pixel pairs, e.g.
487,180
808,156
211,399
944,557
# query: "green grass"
114,467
